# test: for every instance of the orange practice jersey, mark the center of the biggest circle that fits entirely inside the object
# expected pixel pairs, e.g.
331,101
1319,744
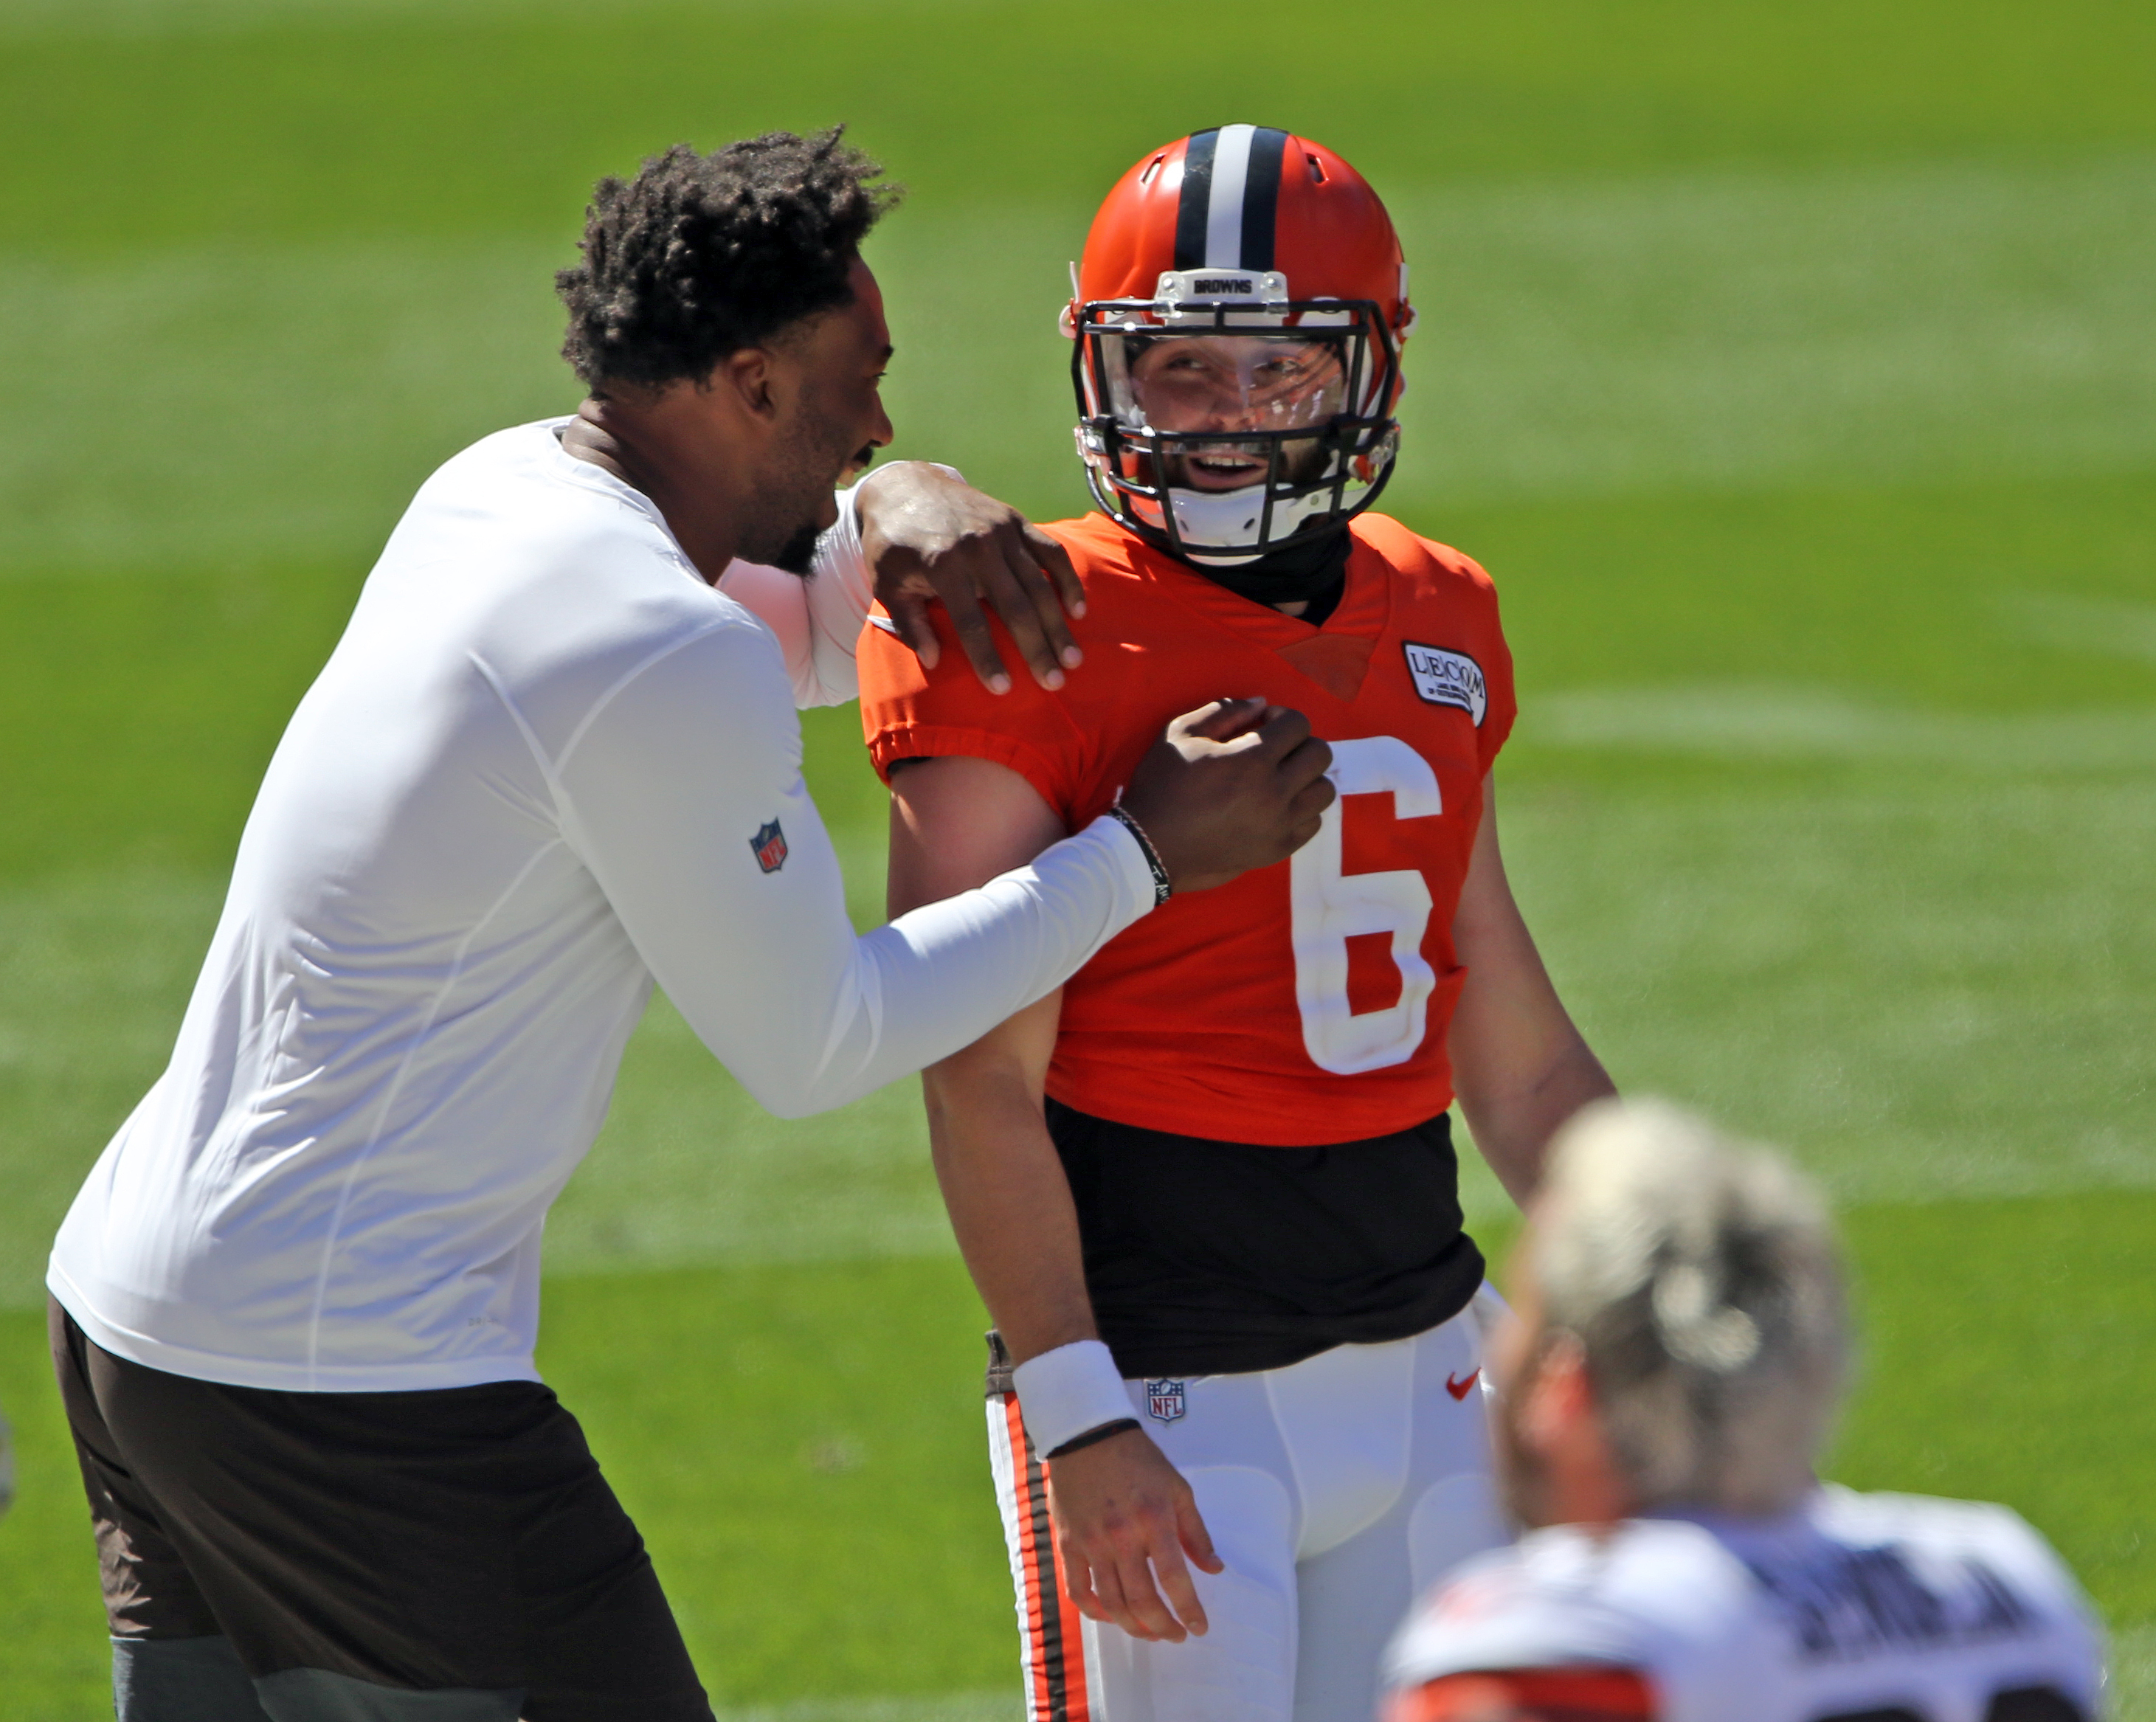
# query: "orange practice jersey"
1308,1002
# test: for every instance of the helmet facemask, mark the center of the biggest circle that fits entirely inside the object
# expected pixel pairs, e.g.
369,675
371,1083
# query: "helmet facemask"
1225,426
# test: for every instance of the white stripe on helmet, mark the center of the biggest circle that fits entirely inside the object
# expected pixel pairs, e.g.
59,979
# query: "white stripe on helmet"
1224,207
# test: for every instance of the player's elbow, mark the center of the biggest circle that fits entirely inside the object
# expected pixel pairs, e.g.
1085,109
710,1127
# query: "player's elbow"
785,1090
834,678
823,685
977,1105
983,1076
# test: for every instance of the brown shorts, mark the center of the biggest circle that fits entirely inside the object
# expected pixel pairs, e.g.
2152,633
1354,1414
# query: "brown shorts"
456,1539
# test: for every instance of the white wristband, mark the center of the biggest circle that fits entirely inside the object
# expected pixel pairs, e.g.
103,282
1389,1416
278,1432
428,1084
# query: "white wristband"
1065,1392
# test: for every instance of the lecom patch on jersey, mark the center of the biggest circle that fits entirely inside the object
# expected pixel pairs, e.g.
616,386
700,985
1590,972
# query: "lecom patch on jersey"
1446,678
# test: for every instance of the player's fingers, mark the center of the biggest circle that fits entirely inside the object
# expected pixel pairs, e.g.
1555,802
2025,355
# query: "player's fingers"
1220,720
1311,800
1107,1593
974,639
1308,762
1244,741
1145,1544
1240,718
1298,835
1023,599
1057,561
1283,731
1078,1583
1308,811
1041,588
909,621
1196,1539
1143,1614
1175,1582
1200,722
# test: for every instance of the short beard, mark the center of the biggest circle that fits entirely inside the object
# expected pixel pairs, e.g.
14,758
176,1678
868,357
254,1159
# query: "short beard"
798,555
804,468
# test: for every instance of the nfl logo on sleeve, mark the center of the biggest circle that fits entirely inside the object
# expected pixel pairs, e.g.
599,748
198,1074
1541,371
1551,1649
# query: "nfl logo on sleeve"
1164,1400
1446,678
769,845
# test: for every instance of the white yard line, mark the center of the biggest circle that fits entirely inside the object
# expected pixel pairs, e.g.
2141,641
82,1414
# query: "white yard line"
1800,723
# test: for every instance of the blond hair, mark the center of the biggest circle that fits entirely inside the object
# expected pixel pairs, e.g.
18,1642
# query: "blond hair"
1703,1280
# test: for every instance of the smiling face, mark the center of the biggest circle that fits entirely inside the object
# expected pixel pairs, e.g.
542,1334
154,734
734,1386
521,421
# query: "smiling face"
1228,383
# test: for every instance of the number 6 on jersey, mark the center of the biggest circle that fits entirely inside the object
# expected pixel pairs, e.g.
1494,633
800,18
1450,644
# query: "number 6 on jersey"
1330,907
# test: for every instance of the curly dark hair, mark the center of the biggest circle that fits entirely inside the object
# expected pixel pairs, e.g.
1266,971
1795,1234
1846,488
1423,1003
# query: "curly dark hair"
700,256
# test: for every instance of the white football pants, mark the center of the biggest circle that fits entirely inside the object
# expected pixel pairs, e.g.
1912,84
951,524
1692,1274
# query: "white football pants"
1336,1490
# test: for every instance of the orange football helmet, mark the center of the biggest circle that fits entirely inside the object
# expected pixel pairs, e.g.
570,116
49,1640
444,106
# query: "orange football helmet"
1238,319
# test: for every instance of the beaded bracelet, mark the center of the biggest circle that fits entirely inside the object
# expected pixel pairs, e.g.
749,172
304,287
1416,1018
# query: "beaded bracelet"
1161,888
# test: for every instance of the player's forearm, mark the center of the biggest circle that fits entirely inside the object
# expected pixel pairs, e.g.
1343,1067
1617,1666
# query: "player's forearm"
1514,1122
1520,1066
1010,1205
685,800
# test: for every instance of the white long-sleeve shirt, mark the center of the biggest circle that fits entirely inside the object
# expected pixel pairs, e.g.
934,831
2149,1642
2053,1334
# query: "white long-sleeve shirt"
546,764
816,622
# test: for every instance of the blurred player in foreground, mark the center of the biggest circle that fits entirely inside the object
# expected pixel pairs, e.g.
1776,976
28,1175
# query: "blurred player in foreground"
1225,1250
1674,1361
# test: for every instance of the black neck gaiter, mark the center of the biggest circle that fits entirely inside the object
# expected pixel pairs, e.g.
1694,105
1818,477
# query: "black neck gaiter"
1304,573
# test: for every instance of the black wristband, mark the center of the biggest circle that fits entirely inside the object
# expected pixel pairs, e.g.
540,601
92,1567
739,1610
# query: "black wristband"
1100,1432
1161,888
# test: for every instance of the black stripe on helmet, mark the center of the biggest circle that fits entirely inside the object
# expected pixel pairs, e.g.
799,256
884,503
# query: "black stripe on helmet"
1261,186
1196,199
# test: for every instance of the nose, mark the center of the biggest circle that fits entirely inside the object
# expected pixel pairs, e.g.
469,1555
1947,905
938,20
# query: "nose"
879,437
1232,409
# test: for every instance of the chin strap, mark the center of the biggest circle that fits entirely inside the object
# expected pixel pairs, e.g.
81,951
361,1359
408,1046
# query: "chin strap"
1292,575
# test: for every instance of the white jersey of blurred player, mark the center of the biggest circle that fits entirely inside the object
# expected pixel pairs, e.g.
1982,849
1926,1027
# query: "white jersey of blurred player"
1672,1367
1891,1608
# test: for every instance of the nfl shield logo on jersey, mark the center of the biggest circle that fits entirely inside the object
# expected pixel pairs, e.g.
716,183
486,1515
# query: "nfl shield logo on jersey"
769,845
1165,1400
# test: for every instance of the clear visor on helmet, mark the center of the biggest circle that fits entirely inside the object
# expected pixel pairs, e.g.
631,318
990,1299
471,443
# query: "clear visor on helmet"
1224,384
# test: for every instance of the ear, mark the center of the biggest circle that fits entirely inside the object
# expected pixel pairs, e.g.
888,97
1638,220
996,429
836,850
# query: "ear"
1558,1400
749,377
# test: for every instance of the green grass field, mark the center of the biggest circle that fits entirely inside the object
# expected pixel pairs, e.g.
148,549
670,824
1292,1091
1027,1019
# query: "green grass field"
1789,368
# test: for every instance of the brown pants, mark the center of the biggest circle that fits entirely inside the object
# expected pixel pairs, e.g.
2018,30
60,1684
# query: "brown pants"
458,1540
